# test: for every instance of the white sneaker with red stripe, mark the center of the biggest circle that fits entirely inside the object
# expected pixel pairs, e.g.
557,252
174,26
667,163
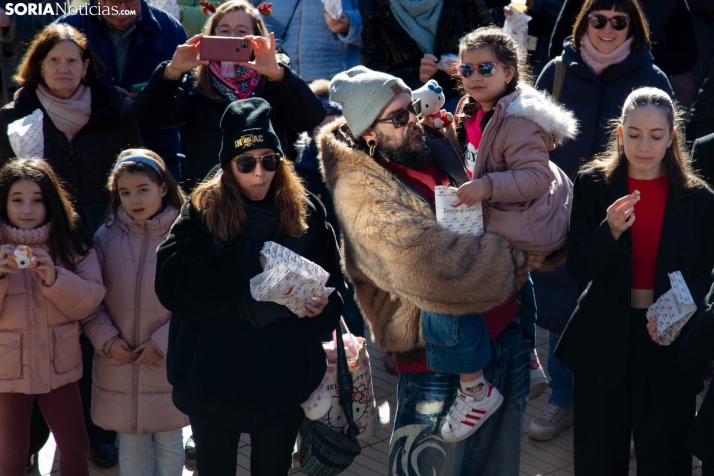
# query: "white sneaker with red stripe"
539,382
467,414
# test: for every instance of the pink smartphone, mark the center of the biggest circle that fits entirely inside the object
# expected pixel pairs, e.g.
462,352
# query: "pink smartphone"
224,48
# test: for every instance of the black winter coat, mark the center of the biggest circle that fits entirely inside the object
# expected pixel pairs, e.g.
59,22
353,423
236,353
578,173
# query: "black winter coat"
697,350
216,356
701,120
596,340
388,48
674,45
85,162
703,157
164,104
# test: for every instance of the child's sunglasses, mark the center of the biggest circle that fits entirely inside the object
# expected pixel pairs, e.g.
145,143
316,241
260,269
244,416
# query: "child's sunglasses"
618,22
484,69
400,118
246,163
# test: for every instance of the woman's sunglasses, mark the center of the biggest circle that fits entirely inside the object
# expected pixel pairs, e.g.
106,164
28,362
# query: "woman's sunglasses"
618,22
400,118
484,69
246,163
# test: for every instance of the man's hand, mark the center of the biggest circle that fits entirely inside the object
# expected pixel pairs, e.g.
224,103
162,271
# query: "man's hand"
428,67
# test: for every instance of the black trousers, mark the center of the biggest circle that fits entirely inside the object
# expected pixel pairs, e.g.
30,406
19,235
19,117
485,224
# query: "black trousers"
272,441
604,418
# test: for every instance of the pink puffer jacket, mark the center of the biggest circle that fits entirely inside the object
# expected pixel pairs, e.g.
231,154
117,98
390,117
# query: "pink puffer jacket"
40,328
131,398
528,198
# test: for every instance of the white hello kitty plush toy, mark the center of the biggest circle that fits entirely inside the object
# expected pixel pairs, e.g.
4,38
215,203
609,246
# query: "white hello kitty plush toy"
432,99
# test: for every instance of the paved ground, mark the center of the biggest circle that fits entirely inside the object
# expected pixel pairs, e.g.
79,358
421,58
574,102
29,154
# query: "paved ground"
552,458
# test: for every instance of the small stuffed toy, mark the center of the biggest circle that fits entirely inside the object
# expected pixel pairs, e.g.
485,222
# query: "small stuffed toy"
208,8
432,98
318,404
265,9
23,256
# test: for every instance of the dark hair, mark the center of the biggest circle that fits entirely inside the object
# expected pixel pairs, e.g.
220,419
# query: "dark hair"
174,197
506,51
639,28
676,161
29,73
203,73
68,237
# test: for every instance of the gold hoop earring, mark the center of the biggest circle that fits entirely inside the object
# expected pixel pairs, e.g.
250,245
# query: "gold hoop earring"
372,145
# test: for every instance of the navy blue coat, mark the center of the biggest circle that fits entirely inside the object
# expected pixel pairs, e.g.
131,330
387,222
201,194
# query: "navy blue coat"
595,100
157,36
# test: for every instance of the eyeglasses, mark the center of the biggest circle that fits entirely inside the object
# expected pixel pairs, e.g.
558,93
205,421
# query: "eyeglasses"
401,117
246,163
484,69
618,22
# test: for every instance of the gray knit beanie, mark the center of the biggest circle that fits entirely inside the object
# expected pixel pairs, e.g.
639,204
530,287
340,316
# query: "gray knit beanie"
363,94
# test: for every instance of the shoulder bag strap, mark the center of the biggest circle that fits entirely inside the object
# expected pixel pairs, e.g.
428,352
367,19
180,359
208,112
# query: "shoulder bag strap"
559,77
344,382
290,20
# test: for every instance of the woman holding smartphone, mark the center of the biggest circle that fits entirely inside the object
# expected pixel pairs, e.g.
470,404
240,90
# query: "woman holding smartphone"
188,90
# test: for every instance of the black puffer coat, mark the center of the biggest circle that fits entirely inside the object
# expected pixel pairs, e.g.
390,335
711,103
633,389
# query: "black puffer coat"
85,162
387,47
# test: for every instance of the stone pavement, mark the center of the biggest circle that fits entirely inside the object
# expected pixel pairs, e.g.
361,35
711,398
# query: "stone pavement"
552,458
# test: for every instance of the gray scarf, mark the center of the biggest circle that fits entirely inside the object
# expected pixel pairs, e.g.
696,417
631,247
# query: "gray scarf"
420,19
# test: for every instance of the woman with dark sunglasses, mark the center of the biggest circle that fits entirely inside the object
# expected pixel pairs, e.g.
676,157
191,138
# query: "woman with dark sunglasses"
608,57
239,365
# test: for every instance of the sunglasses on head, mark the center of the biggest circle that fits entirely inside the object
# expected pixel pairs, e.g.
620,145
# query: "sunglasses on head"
618,22
484,69
400,118
246,163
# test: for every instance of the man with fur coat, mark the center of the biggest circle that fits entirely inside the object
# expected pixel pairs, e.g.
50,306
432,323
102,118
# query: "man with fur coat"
382,166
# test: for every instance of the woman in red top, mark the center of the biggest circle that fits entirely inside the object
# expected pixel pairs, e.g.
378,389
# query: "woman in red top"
639,213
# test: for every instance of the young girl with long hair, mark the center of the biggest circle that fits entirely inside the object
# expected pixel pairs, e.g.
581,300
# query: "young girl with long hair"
639,213
42,306
507,128
131,394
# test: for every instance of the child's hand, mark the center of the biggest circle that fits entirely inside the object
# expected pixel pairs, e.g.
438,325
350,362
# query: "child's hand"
471,192
45,267
149,354
7,260
121,351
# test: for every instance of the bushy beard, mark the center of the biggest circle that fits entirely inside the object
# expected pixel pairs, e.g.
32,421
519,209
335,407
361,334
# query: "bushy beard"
411,153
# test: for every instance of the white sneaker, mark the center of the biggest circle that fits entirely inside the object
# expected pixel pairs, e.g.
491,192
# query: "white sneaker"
539,382
550,423
467,415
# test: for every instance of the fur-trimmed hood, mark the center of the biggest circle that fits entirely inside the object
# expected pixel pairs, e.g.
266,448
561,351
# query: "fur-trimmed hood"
398,257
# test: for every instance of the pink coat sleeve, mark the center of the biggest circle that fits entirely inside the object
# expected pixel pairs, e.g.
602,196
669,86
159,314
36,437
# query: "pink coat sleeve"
77,295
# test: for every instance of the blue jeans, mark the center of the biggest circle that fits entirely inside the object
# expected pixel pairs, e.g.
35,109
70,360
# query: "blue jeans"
561,378
424,399
455,344
134,457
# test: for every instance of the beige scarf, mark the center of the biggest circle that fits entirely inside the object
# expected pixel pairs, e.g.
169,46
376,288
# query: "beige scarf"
68,115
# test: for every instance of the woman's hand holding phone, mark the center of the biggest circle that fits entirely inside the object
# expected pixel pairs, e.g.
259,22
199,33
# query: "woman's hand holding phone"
186,57
265,62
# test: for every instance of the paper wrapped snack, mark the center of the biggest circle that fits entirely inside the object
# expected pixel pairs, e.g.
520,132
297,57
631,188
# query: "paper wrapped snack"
516,26
26,135
446,61
333,8
289,279
672,310
453,214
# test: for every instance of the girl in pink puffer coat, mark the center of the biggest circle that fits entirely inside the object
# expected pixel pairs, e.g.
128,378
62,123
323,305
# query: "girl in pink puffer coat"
131,394
45,290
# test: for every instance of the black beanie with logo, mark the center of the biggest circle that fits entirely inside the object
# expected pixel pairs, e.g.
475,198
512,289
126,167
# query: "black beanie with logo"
246,126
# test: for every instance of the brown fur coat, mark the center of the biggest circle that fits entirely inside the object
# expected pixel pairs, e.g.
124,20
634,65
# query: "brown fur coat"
399,259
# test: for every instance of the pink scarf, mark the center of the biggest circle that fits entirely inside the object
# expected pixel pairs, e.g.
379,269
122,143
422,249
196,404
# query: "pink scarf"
598,61
36,238
68,115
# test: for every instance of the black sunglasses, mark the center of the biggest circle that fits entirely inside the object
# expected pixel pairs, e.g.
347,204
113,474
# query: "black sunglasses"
485,69
618,22
246,163
400,118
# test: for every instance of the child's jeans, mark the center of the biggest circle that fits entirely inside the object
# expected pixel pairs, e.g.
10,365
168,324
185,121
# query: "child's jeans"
455,344
134,459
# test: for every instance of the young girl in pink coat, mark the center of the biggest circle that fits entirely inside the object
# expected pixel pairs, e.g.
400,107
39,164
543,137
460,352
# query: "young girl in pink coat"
45,291
131,394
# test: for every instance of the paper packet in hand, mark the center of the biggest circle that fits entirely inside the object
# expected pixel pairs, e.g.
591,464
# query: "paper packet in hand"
289,279
447,61
453,214
26,135
672,310
516,26
333,8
